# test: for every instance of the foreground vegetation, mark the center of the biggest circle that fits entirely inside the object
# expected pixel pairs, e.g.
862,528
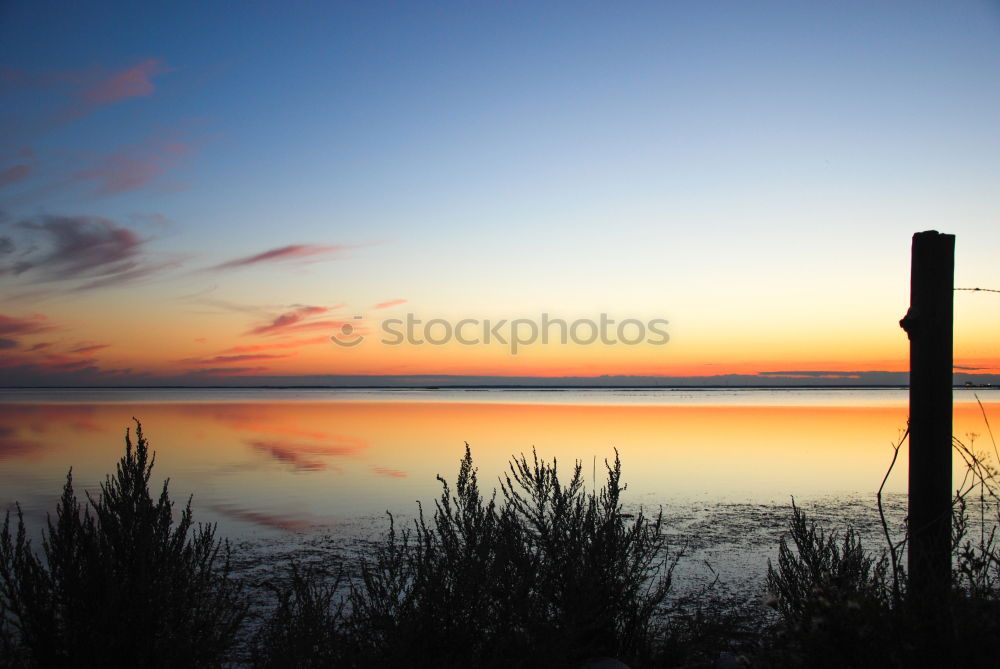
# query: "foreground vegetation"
539,573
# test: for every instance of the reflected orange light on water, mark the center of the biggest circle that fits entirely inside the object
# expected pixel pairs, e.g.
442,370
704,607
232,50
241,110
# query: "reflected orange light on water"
294,464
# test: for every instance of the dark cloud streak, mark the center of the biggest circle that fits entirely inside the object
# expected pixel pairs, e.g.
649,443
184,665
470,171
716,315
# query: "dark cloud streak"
94,250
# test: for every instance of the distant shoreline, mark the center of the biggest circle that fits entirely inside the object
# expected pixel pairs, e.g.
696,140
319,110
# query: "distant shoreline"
500,387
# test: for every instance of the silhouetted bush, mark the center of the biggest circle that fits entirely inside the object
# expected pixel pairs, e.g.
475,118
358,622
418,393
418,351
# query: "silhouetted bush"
547,576
834,597
305,629
117,582
838,609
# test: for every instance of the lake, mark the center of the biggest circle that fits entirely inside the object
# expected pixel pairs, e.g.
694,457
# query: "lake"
272,466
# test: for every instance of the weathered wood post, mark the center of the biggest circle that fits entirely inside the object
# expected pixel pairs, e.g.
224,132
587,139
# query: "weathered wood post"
928,324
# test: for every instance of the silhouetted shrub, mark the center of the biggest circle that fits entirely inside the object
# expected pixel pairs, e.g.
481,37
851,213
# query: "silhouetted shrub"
834,598
117,582
305,629
546,576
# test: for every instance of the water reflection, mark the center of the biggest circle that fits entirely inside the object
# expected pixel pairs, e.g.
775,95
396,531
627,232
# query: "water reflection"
266,465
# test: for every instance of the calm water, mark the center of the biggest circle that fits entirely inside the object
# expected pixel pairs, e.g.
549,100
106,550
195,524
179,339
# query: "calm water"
261,461
308,474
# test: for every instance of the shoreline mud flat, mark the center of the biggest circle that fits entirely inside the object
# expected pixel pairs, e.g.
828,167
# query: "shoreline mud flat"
725,546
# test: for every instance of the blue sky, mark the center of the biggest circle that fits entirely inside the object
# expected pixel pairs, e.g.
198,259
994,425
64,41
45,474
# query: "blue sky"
715,162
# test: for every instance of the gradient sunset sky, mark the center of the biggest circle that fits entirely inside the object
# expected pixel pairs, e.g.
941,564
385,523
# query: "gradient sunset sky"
202,192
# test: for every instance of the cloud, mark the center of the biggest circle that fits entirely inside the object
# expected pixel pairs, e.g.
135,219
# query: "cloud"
294,343
815,374
223,359
293,320
53,98
14,174
64,248
33,324
56,362
29,368
7,343
132,82
294,252
134,167
227,371
89,348
390,303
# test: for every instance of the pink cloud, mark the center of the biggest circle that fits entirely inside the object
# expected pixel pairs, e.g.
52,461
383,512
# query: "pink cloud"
14,174
9,325
292,252
134,167
390,303
132,82
287,320
89,348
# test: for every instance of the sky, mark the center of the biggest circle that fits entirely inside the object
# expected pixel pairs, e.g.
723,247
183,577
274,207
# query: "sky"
215,193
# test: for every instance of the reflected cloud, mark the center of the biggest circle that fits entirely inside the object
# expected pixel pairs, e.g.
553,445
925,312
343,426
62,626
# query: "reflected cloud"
386,471
298,454
273,520
14,446
41,418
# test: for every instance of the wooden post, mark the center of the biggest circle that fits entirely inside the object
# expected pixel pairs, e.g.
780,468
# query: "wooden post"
928,324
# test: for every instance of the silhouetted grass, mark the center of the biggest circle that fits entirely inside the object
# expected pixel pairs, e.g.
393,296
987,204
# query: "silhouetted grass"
118,582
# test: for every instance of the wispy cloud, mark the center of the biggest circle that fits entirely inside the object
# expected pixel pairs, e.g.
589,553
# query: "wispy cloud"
294,252
225,359
54,98
293,321
10,325
390,303
131,82
14,174
227,371
89,348
95,250
133,167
